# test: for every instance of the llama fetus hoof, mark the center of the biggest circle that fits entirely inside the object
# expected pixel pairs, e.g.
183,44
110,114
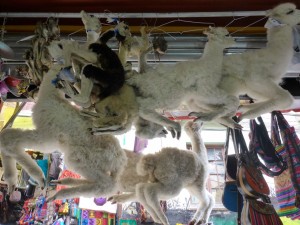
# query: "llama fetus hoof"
192,222
115,199
42,183
175,130
174,133
54,182
178,134
162,133
201,222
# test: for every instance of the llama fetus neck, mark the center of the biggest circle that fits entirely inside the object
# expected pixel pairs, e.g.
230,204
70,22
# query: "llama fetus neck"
280,44
47,88
92,36
213,49
280,38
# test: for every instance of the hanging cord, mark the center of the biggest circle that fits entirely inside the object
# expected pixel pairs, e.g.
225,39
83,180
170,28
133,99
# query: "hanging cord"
248,25
180,20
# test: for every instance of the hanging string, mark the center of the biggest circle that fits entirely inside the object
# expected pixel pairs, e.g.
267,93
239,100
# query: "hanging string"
167,33
75,32
184,21
236,19
248,25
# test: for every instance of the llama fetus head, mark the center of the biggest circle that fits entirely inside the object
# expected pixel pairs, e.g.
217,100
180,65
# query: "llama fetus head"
285,13
60,50
122,30
91,23
53,28
220,35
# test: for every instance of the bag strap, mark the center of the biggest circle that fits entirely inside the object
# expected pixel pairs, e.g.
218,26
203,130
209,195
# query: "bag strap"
240,142
231,132
282,122
226,146
260,134
275,134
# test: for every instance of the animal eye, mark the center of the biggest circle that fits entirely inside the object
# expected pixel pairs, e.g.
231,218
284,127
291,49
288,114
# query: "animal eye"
60,46
290,12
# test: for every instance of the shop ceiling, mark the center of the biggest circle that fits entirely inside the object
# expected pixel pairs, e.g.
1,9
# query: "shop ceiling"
181,23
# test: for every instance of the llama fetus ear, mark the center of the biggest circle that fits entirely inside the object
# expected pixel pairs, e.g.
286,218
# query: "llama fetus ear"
83,14
206,32
269,12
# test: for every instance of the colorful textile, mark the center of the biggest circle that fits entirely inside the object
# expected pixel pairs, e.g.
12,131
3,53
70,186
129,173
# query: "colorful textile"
65,174
92,217
287,185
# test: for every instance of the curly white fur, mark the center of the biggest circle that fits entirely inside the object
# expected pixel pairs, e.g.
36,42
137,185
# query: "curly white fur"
167,86
98,159
169,171
259,72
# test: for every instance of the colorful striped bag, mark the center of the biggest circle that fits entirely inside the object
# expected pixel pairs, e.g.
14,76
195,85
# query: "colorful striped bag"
261,144
285,191
292,147
261,213
255,212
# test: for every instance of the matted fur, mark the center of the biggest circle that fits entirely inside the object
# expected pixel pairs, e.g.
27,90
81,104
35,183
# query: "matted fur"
59,126
169,171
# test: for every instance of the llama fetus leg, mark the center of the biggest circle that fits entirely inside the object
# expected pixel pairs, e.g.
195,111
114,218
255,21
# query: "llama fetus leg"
206,203
72,192
14,152
122,198
142,199
153,116
279,99
153,193
70,181
226,105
